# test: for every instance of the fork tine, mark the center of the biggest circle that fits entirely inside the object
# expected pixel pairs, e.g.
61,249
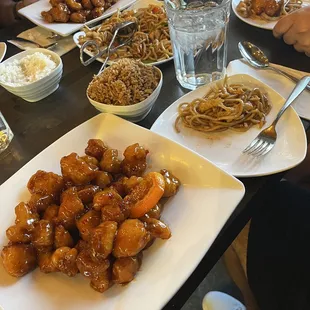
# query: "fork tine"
260,148
257,146
250,146
268,149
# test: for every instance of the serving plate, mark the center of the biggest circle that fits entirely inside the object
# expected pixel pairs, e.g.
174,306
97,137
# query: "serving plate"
225,148
137,5
257,22
33,13
206,199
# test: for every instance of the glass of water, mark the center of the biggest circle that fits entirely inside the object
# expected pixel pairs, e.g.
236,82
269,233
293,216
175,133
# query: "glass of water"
6,134
198,35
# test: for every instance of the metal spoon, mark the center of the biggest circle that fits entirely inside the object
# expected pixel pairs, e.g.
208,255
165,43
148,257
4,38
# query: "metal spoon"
258,60
124,31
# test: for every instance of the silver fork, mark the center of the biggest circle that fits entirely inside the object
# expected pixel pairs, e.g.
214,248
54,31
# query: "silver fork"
267,138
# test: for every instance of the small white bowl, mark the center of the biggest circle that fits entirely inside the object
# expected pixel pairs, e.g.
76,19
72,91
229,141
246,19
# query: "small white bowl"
41,88
135,112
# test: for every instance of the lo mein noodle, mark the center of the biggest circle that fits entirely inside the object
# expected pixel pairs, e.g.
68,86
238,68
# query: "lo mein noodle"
225,106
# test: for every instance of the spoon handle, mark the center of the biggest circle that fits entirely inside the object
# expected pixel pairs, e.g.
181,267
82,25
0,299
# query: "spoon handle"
287,75
298,89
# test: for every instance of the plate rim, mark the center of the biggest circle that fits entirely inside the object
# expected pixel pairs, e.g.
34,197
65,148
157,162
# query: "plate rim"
237,175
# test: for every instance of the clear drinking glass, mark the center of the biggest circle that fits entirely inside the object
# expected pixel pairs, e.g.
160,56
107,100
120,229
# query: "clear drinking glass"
198,35
6,134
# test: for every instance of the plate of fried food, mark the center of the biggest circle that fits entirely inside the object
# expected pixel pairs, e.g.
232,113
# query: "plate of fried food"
219,120
108,203
151,42
265,13
65,17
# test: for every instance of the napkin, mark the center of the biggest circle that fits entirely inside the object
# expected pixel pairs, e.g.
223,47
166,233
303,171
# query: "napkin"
279,83
44,38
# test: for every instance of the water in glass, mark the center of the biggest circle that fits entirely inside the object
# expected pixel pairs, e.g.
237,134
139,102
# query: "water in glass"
198,35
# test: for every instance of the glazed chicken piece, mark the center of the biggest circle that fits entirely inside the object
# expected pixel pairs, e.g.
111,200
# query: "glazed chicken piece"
46,183
18,259
95,147
19,233
131,183
73,5
131,238
71,206
88,193
41,202
172,183
76,170
62,238
101,282
111,205
64,259
47,16
98,3
157,229
60,13
45,262
90,268
110,162
87,222
91,161
154,212
101,240
134,162
125,268
43,235
51,213
97,12
271,7
56,2
25,215
87,4
102,179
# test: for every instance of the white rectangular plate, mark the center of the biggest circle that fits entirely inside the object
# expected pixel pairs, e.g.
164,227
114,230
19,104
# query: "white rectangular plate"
206,199
225,148
33,13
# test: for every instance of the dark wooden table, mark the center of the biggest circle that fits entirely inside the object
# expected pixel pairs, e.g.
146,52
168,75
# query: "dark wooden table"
37,125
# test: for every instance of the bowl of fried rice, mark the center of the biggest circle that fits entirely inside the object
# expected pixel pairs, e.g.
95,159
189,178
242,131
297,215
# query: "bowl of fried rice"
127,88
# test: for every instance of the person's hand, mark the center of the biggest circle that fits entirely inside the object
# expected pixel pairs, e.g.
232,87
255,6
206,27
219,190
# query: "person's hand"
295,30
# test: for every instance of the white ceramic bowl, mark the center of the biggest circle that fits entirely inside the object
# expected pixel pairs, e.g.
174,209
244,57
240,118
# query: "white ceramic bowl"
135,112
39,89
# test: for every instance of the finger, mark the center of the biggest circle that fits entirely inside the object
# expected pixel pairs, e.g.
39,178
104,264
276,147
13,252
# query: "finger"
290,37
307,54
300,48
283,25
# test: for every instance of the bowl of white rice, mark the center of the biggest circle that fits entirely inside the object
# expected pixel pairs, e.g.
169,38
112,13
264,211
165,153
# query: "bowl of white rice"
32,75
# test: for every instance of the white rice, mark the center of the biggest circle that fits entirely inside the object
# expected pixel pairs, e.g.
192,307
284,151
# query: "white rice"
27,70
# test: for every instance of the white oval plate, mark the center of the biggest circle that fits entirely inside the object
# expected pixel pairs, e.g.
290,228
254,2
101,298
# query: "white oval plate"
135,6
33,13
196,215
225,148
257,22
